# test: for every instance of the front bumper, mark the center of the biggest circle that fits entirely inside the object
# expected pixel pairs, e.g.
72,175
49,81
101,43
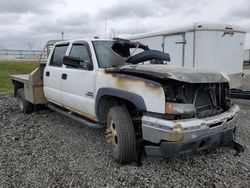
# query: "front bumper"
181,136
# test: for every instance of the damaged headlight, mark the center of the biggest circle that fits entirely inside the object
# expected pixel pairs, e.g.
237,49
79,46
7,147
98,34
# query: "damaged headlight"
179,99
179,108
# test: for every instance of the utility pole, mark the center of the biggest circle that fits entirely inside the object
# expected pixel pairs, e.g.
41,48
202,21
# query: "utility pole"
62,33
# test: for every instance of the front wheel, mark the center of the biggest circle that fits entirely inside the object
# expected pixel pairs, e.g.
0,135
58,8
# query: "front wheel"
121,134
25,106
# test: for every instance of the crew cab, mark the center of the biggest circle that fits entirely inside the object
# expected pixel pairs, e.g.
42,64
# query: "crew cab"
134,94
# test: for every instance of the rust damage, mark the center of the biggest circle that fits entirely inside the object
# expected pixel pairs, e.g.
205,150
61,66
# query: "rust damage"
76,112
82,115
177,134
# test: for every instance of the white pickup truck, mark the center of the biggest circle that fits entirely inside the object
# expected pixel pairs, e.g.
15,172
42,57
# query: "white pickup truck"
106,83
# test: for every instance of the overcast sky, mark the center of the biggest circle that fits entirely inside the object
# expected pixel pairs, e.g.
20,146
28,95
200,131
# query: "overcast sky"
26,24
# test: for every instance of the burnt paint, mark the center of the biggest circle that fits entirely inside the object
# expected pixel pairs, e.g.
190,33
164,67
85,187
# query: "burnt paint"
123,79
170,72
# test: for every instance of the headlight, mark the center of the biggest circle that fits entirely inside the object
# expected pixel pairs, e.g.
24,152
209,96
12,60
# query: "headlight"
179,108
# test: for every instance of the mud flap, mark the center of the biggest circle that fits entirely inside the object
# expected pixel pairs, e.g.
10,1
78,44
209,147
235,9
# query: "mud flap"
232,143
236,145
140,153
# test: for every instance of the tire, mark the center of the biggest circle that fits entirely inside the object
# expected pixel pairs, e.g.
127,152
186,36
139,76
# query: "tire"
121,134
25,106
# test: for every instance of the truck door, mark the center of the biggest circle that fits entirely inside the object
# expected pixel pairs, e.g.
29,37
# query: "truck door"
53,74
175,46
78,85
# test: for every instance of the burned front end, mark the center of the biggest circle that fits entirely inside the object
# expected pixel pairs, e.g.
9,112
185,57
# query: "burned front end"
197,116
198,112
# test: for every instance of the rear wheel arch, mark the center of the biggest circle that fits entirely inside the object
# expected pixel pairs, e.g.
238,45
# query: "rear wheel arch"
25,106
17,85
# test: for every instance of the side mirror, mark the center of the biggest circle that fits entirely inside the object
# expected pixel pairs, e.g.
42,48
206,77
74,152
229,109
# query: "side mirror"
76,62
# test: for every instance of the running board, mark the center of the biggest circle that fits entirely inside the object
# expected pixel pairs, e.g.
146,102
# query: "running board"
239,94
76,118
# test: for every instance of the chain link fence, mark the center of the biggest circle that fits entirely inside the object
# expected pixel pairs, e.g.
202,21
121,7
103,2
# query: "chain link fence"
19,54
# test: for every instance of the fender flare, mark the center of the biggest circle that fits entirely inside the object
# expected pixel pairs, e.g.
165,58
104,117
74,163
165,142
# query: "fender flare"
136,99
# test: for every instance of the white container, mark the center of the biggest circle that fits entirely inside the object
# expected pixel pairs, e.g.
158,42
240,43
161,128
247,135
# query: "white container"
211,46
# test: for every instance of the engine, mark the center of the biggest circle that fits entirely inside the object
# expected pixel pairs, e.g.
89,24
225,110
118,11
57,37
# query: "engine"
196,100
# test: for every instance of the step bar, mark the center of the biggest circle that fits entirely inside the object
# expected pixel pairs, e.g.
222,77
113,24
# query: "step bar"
74,117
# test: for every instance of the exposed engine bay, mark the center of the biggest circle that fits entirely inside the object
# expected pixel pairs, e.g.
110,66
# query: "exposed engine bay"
204,99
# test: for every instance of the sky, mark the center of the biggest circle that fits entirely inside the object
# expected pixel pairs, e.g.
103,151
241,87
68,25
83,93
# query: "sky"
28,24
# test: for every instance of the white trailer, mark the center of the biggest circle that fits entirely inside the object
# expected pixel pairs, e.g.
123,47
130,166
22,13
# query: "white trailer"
211,46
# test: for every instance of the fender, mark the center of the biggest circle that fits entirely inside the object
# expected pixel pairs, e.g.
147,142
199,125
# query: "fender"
137,100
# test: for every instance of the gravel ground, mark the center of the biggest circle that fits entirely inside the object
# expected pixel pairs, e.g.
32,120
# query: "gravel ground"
46,149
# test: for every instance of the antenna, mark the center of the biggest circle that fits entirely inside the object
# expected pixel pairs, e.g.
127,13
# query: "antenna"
106,20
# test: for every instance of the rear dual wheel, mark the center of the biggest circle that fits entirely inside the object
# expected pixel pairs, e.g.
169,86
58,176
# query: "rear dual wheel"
121,134
25,106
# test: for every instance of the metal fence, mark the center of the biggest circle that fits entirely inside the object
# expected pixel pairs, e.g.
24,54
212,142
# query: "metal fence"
19,54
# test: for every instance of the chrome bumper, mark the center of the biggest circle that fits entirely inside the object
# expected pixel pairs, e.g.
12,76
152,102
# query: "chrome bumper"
158,130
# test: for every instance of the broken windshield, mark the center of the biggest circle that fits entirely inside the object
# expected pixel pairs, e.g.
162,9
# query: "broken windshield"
106,56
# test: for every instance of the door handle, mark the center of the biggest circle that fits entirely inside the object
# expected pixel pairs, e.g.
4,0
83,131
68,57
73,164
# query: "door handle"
181,42
47,73
64,76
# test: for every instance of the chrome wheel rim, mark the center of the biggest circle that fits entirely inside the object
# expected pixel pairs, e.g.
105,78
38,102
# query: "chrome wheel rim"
20,102
111,134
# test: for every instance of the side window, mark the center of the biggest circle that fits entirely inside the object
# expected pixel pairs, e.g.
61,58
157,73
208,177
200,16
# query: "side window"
58,54
81,51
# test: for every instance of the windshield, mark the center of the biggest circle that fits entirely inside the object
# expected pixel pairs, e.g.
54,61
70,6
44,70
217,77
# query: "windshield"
106,56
